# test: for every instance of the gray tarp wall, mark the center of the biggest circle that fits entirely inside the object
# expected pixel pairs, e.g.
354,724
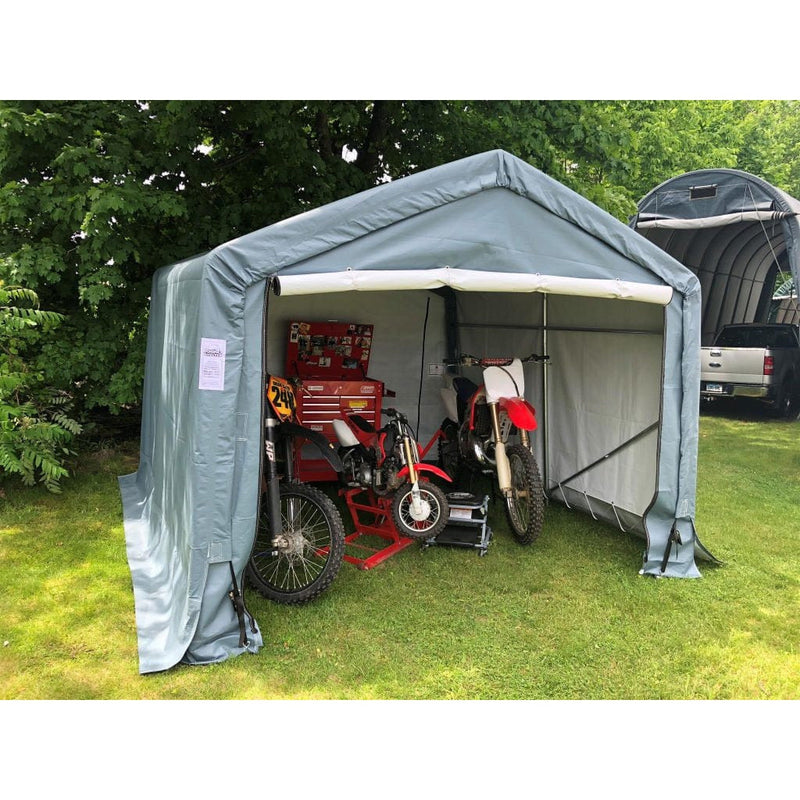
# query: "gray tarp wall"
734,231
516,250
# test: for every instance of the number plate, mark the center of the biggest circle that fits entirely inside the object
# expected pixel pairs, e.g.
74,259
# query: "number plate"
281,397
714,387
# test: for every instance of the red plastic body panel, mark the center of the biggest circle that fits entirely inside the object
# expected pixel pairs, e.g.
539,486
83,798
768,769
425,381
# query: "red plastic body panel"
520,411
421,467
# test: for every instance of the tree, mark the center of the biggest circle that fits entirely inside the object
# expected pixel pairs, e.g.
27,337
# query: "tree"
35,428
95,196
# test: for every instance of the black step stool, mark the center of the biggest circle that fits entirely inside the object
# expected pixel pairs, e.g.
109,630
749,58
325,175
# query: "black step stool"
467,524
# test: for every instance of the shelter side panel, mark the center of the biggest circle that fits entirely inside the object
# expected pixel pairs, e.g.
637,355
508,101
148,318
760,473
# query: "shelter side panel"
604,398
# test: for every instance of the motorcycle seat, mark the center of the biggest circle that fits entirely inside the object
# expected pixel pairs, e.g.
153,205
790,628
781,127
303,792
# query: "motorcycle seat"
361,423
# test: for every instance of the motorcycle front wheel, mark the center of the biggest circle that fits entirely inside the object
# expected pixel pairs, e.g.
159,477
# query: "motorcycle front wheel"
307,554
525,502
434,513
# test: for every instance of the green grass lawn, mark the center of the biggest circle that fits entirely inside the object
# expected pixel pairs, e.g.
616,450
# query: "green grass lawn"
567,618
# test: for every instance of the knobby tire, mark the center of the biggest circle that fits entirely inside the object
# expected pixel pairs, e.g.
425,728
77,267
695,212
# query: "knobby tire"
525,506
303,572
428,528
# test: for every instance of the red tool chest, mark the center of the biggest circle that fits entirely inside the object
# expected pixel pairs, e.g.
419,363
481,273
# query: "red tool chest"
319,402
328,362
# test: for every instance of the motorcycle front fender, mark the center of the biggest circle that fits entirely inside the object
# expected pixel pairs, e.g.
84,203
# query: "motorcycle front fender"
426,468
520,412
328,451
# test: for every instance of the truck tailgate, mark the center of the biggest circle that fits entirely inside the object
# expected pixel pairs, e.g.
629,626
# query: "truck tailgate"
732,364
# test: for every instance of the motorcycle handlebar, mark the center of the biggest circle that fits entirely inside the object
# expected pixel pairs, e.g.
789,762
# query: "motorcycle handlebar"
466,360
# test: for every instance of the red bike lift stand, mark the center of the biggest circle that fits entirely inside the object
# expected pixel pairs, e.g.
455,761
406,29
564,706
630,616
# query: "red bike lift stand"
372,517
467,525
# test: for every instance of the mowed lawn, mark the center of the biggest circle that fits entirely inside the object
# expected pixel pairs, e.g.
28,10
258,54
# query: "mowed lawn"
567,618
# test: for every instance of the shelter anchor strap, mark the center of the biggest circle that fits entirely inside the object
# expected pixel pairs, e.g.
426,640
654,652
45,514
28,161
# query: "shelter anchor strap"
674,536
238,605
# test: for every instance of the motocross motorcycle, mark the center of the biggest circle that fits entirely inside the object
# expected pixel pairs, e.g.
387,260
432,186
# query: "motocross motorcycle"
300,539
387,462
481,422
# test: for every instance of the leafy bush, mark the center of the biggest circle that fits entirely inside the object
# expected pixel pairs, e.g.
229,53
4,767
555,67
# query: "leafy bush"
35,426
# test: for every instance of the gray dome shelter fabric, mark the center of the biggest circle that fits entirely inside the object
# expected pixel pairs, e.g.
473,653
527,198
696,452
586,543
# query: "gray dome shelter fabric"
507,261
732,229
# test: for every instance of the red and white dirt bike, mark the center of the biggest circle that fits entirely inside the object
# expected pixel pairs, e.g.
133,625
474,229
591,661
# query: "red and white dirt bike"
387,463
481,421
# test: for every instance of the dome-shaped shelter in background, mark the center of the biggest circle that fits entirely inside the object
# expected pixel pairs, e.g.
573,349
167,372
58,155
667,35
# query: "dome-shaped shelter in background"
735,231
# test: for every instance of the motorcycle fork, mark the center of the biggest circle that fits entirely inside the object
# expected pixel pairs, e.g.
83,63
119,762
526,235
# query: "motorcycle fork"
416,503
272,478
500,458
412,471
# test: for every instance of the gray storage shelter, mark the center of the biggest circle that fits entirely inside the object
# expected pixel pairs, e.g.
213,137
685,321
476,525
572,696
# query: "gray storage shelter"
485,255
732,229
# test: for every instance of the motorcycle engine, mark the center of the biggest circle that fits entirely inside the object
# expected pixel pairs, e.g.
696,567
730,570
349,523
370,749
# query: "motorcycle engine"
364,474
386,479
476,447
357,470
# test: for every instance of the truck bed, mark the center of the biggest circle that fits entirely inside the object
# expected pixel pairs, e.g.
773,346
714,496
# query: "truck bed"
759,360
728,366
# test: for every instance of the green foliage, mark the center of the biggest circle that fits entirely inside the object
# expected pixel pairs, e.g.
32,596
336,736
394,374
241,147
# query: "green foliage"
95,196
35,426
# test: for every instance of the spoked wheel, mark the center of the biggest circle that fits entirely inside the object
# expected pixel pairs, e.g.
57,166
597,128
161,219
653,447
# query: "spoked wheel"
424,519
305,557
525,503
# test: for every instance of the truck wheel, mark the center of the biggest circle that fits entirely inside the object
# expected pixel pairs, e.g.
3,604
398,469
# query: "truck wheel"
785,406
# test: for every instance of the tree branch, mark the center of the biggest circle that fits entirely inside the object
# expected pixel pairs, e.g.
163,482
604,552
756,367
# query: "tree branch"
369,153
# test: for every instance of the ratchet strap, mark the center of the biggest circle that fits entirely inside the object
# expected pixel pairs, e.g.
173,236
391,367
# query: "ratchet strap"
238,605
674,537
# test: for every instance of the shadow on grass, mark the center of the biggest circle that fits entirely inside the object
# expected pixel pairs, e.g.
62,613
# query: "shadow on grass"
743,409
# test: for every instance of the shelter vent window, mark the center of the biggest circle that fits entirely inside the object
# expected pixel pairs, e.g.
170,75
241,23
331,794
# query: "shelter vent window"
702,192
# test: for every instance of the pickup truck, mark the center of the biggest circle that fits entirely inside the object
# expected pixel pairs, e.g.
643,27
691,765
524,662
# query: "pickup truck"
754,360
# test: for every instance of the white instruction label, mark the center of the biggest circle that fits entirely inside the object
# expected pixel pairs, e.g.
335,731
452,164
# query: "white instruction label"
212,364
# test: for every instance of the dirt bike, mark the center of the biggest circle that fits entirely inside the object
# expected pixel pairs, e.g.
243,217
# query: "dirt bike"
300,540
481,420
387,463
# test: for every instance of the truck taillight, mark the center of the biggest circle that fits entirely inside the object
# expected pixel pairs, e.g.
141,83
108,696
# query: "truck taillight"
769,365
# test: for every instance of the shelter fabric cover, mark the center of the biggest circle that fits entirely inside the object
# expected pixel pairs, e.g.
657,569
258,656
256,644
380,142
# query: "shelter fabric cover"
190,509
734,231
